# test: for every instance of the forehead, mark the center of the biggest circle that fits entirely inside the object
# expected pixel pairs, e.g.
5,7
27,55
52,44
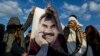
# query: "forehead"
47,20
72,21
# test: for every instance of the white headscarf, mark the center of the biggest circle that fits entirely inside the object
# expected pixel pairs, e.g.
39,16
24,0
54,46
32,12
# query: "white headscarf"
80,24
37,14
73,18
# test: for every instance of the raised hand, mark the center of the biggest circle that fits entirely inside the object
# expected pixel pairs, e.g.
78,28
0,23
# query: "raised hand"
40,39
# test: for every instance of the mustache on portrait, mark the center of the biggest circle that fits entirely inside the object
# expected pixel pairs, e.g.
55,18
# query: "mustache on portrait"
51,34
44,34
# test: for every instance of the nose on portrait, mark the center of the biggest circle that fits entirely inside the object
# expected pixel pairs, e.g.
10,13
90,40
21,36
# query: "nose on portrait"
48,31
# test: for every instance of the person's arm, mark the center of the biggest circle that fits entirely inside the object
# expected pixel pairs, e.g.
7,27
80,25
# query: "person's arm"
28,21
42,43
43,50
36,50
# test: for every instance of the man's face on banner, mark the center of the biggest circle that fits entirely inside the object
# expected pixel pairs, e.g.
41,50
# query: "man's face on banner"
49,28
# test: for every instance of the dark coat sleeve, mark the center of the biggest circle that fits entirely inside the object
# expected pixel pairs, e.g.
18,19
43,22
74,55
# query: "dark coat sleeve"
34,48
66,32
63,42
28,22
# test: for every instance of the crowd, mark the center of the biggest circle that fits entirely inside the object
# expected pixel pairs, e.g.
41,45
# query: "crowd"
48,38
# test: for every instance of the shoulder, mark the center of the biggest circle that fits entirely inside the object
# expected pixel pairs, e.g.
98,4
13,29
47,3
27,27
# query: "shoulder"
34,48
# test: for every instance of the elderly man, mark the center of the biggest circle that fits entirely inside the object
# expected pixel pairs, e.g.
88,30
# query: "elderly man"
48,40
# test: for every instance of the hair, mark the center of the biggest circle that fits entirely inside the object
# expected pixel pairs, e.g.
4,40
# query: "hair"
12,27
93,29
94,34
73,16
49,15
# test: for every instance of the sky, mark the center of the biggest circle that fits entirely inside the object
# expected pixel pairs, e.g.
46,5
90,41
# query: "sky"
87,11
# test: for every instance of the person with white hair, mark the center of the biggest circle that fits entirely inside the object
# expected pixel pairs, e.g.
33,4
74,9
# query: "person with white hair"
75,39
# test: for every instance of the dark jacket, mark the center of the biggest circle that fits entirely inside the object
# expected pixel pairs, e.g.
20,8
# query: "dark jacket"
27,41
2,30
94,42
58,48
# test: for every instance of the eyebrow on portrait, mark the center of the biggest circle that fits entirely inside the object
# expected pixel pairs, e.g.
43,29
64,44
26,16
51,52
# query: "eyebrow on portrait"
53,25
44,25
